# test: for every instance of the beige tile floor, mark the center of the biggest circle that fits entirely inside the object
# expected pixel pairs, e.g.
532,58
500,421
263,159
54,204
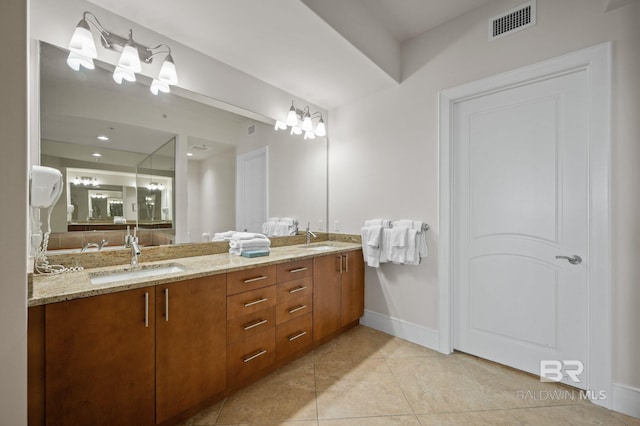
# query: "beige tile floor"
368,378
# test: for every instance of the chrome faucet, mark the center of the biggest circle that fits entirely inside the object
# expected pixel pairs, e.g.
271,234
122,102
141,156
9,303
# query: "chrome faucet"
96,245
309,233
135,251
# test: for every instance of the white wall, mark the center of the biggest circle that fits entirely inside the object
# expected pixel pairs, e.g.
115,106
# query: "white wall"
384,149
194,225
212,197
13,220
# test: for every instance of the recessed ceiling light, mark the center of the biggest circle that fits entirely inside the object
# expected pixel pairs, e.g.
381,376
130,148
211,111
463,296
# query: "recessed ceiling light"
189,154
103,138
97,154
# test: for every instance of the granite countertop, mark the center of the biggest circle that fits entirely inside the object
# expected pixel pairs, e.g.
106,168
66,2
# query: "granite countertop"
74,285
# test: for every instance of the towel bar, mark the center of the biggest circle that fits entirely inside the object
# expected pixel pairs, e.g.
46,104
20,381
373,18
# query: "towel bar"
425,226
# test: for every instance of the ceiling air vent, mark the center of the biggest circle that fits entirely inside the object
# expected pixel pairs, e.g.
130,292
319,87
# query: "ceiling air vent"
251,129
199,147
523,16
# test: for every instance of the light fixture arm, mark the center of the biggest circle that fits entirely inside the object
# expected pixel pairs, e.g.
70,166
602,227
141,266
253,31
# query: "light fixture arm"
153,54
117,43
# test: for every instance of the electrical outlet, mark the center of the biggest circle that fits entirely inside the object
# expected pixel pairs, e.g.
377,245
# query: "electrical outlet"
320,225
336,225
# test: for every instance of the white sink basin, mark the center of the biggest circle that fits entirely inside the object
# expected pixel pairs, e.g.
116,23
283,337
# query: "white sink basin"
137,273
318,247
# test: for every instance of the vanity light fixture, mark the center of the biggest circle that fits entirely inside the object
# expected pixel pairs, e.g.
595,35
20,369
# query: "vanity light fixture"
301,122
82,52
86,181
103,138
153,186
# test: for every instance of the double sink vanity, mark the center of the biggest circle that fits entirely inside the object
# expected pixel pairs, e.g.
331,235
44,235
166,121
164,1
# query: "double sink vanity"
160,342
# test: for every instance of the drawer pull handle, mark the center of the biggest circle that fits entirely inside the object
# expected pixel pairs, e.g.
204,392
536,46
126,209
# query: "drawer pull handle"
293,271
299,308
146,309
297,336
255,324
252,280
255,302
166,304
254,356
295,290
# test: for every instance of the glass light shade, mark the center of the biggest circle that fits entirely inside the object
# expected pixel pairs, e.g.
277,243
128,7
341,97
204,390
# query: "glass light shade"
159,86
168,71
321,129
280,125
292,117
75,61
307,126
309,135
123,74
295,130
82,41
129,59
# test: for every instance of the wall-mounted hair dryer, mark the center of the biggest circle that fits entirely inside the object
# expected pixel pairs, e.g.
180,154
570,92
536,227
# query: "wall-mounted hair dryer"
46,186
46,189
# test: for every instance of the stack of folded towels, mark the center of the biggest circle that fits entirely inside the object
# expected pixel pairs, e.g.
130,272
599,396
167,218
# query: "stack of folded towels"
221,236
279,227
404,243
249,244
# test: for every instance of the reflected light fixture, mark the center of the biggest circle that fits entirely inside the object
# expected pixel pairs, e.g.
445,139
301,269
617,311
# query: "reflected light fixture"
301,122
82,52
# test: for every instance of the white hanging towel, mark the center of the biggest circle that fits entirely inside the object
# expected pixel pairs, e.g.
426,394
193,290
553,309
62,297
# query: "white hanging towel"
371,234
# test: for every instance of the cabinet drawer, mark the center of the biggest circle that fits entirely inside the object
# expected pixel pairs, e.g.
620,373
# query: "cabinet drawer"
294,270
294,308
293,335
294,289
248,325
250,279
250,355
250,302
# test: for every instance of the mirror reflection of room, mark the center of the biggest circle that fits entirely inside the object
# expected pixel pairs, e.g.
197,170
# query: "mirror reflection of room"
85,113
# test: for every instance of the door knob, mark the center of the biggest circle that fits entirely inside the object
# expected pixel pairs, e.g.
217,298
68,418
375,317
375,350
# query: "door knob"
574,260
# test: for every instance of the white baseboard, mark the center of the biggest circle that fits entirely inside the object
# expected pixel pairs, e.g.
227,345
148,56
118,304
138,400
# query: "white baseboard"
625,399
417,334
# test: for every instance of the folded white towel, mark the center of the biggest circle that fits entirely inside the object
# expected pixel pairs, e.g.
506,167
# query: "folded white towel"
399,236
280,229
412,256
385,248
252,243
223,235
374,237
247,236
377,222
371,253
398,243
272,219
288,220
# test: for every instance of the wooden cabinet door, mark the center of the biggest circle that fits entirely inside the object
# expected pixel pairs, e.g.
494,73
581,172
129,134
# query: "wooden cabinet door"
327,294
352,286
99,360
190,344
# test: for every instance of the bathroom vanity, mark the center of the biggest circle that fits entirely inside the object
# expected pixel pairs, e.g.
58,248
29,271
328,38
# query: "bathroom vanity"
158,349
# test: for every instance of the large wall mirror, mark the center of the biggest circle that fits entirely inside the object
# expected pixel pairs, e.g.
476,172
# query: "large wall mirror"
117,146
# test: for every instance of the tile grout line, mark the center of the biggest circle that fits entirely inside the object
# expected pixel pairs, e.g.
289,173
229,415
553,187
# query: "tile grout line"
315,385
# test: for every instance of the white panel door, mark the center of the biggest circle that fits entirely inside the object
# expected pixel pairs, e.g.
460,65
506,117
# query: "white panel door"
251,190
520,200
